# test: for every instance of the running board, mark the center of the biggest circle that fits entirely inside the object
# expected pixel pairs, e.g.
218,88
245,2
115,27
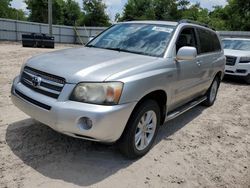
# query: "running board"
184,108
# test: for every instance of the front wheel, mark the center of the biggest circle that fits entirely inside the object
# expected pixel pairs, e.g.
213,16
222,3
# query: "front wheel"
141,130
212,92
247,79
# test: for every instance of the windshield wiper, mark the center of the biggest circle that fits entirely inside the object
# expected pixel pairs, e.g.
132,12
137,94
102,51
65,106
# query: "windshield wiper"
120,50
115,49
124,50
91,46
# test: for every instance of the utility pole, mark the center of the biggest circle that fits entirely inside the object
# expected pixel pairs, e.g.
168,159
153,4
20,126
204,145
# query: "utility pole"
50,16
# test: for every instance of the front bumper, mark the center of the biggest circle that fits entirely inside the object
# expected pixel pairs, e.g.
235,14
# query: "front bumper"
108,122
239,69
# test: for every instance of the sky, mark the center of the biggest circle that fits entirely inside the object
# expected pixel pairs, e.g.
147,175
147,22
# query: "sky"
115,6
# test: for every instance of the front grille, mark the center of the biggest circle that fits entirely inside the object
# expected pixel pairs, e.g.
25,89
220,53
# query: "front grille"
231,60
37,103
229,71
46,84
241,71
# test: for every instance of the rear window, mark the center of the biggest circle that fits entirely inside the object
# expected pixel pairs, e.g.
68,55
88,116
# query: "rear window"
209,41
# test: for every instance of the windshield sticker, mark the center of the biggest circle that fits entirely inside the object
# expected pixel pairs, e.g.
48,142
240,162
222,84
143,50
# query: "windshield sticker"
162,29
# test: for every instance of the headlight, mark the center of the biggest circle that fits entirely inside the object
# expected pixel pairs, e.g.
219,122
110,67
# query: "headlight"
106,93
245,60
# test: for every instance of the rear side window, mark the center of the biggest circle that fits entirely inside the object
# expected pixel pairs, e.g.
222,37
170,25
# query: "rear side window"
209,41
216,42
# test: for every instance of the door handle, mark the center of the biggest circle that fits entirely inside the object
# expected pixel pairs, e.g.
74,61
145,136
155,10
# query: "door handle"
198,63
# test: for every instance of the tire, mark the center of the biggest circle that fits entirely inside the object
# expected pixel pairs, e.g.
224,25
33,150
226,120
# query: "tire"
212,92
247,79
137,126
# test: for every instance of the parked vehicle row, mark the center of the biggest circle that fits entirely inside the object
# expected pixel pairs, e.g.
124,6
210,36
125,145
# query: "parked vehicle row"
124,83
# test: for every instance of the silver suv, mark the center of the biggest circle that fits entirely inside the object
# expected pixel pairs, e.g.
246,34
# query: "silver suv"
124,83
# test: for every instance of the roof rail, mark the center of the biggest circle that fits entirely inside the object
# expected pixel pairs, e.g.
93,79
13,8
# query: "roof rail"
195,22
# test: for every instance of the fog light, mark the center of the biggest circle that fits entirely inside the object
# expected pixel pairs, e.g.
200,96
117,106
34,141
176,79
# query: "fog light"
85,123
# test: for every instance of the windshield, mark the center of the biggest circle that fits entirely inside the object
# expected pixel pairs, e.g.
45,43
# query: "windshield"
237,44
146,39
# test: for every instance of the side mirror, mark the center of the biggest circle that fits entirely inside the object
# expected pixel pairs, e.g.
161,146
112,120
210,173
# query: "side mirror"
90,39
186,53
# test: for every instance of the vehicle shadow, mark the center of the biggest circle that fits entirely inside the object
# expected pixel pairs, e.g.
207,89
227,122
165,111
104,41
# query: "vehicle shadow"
80,162
172,126
234,80
58,156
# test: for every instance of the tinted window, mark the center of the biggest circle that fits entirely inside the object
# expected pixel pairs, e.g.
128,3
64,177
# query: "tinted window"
186,38
209,41
216,42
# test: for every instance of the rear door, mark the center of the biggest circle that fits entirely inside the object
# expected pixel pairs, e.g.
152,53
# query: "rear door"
209,53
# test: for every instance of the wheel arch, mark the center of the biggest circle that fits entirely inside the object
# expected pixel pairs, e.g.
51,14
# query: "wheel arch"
160,96
219,74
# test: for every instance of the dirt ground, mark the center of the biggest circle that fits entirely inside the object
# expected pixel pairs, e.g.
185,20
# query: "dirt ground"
205,147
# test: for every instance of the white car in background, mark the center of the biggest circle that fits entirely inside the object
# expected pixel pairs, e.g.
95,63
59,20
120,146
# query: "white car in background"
237,52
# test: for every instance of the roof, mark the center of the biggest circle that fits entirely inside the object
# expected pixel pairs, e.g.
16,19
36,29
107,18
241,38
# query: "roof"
153,22
171,23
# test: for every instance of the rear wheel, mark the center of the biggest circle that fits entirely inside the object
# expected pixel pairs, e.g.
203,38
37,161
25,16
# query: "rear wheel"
141,130
212,92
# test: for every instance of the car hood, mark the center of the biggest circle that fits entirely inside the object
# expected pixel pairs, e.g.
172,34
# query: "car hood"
236,53
89,64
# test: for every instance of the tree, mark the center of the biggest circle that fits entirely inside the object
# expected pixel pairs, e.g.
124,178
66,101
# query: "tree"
6,11
57,11
94,13
39,10
17,14
218,18
117,17
138,10
166,10
183,4
196,13
234,16
238,12
71,13
153,9
4,6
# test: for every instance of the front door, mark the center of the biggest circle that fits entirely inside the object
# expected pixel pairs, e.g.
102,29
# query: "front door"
188,71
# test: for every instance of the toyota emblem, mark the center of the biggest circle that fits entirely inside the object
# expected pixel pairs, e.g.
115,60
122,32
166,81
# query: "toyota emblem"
36,80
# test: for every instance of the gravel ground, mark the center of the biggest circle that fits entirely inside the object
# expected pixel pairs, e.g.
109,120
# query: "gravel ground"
205,147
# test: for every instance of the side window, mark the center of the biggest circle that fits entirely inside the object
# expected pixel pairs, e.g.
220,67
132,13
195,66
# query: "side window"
205,41
186,38
208,41
217,45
